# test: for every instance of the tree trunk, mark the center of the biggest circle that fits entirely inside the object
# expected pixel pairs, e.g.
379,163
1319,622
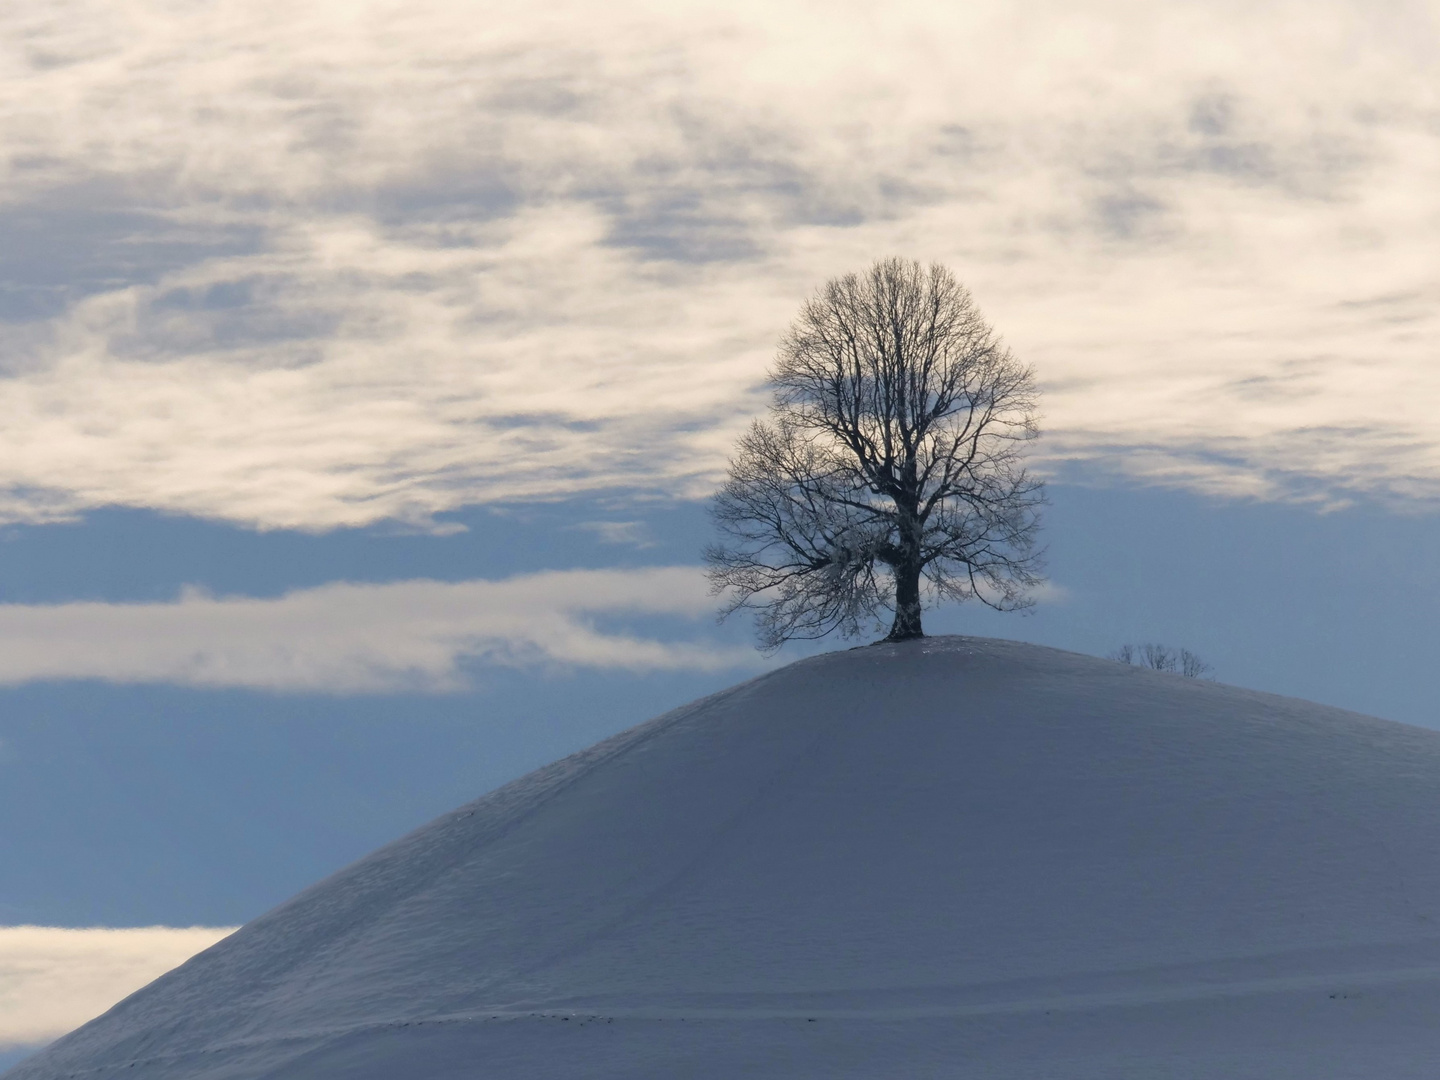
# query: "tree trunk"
907,604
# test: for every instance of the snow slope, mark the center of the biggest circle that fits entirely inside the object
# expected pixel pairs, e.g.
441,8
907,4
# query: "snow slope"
953,857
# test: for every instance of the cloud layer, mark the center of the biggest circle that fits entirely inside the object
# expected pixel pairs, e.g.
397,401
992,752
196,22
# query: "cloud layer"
53,979
349,638
310,266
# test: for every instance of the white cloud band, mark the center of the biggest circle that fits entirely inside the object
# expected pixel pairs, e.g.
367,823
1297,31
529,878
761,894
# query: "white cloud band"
341,638
298,268
53,979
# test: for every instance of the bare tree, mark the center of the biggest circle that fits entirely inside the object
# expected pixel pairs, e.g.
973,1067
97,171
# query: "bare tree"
1192,667
1159,657
889,472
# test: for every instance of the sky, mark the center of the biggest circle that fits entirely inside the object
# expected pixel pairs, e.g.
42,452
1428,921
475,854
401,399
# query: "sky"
366,367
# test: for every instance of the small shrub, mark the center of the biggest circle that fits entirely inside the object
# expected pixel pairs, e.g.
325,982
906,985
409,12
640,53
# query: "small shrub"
1163,658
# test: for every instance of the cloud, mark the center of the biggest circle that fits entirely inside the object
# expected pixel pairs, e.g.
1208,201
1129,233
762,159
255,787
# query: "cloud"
300,267
350,638
631,533
53,979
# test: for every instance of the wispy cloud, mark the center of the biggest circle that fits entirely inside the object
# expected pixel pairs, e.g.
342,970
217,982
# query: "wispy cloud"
300,266
631,533
346,638
53,979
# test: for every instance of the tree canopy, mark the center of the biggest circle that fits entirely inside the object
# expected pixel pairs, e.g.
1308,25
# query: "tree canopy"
889,473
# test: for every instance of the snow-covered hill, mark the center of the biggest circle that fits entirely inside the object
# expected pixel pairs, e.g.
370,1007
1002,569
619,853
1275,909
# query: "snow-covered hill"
953,857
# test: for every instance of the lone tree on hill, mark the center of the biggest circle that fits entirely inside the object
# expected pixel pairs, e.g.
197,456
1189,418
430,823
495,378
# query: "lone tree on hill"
889,473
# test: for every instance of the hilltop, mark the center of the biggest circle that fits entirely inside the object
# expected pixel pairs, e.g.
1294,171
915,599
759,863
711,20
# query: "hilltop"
948,857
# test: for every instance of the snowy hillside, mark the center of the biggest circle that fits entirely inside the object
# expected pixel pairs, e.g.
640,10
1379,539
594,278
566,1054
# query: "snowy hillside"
952,857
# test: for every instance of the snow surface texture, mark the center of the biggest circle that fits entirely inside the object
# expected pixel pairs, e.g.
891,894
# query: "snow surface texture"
948,858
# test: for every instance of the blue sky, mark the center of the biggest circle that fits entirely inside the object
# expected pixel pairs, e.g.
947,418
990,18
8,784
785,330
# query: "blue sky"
365,369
